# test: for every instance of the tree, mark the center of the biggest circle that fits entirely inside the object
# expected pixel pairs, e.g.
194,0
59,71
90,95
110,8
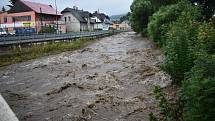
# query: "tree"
160,20
141,10
208,7
198,90
125,17
48,29
3,9
159,3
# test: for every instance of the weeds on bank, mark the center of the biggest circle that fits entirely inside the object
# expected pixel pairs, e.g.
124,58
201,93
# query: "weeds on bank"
16,55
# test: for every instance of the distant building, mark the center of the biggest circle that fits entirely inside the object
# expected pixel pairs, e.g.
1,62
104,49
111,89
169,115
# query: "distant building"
29,17
102,21
77,20
125,25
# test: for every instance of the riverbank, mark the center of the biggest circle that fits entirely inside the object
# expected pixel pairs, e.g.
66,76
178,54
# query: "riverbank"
15,55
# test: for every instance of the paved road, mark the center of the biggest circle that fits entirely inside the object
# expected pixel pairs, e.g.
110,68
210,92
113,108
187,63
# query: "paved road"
24,39
109,80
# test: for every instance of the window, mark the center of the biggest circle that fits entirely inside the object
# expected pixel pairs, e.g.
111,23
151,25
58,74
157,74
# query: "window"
22,18
65,19
13,19
48,18
69,18
5,19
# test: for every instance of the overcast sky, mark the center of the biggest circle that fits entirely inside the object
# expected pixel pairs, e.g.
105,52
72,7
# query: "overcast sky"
110,7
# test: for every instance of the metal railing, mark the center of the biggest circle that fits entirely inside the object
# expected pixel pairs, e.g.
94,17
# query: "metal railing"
34,38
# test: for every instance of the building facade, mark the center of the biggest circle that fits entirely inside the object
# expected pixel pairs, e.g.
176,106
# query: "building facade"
77,20
102,21
30,17
125,25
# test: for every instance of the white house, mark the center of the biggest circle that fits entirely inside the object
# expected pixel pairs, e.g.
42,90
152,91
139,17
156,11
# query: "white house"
77,20
102,21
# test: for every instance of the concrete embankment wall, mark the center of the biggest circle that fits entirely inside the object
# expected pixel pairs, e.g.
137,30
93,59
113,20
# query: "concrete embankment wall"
6,114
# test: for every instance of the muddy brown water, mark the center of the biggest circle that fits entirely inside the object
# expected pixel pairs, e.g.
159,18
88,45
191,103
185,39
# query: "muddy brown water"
109,80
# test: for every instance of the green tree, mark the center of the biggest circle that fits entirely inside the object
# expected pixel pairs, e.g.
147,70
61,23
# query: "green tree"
208,7
126,17
141,10
198,91
160,20
3,9
48,29
181,39
159,3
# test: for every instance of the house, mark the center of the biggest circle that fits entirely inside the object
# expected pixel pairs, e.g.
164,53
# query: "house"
102,21
77,20
30,17
125,25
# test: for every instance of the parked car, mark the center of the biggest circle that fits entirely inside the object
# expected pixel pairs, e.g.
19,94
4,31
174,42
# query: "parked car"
23,31
12,33
2,32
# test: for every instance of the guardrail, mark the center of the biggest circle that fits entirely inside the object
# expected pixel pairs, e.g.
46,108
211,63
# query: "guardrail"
35,38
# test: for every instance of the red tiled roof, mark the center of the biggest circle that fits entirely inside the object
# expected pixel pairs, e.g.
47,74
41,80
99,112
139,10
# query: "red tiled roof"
45,9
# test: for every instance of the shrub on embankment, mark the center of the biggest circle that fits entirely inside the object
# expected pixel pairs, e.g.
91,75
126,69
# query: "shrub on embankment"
39,50
186,34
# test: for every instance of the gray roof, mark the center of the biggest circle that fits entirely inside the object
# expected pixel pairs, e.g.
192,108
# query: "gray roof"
101,16
79,14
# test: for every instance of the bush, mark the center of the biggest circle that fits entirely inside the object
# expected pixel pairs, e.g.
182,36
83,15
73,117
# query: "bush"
179,58
141,10
206,37
189,46
169,110
198,91
158,24
199,85
181,39
35,51
207,7
47,29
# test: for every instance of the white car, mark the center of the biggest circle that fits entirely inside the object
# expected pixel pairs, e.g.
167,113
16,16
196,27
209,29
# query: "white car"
12,33
2,32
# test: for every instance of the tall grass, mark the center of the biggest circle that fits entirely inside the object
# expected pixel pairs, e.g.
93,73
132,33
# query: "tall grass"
16,55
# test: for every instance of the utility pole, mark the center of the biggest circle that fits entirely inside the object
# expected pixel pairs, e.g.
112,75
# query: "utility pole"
14,23
41,18
56,14
0,22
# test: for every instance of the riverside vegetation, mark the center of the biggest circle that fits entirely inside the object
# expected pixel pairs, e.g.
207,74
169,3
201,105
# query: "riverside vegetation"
185,31
39,50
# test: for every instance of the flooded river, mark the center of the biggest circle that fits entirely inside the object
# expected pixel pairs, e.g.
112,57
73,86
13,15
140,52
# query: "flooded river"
108,80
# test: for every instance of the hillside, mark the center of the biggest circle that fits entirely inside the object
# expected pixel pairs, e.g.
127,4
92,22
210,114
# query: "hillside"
116,17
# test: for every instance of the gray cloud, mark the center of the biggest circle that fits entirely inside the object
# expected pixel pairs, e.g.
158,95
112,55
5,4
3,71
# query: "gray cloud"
110,7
